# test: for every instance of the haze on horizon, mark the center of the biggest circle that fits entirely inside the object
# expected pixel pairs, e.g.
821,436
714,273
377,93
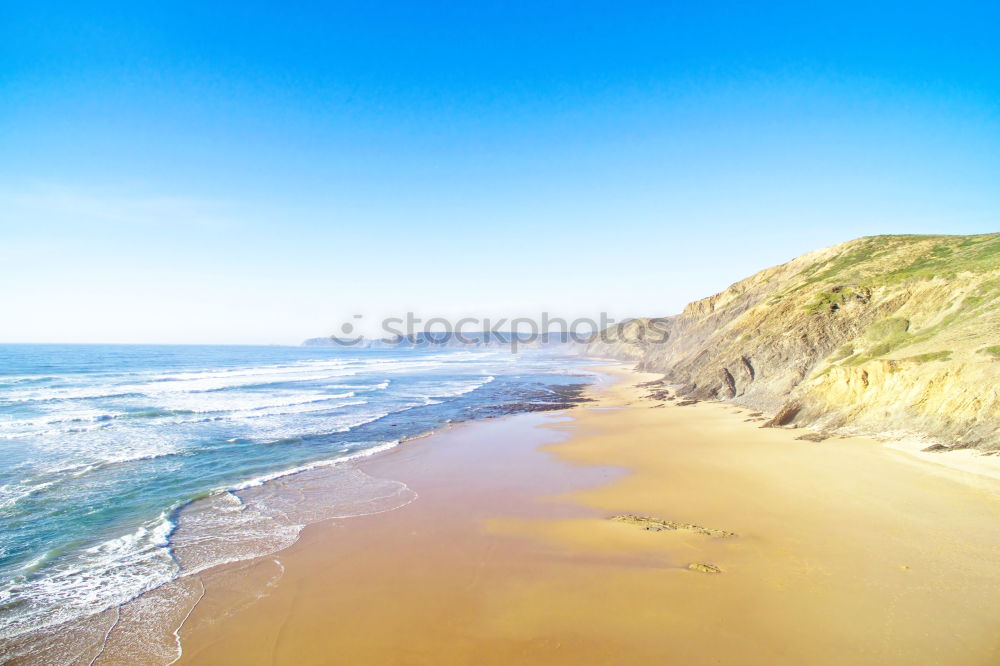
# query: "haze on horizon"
256,174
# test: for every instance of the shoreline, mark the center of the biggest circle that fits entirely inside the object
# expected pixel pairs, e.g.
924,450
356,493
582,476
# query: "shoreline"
109,636
525,565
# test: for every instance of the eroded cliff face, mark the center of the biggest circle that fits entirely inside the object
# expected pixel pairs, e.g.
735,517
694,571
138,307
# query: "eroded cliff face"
894,335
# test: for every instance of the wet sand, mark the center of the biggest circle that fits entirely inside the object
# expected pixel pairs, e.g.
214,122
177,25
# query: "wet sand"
842,552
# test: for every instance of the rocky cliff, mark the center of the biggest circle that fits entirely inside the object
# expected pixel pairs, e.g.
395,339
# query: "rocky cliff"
891,335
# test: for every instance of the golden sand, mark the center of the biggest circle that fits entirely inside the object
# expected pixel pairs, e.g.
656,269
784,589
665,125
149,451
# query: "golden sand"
622,532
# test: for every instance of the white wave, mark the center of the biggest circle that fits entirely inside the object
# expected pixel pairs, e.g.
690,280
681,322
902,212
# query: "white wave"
364,453
83,417
207,403
51,432
12,494
18,379
301,408
157,534
69,456
439,390
381,386
93,580
276,369
177,409
174,386
461,388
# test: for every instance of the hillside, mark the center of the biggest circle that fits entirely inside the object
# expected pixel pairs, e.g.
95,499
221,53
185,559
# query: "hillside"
890,335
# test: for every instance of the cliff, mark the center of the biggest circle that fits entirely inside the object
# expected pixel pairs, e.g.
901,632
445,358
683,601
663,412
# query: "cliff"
888,335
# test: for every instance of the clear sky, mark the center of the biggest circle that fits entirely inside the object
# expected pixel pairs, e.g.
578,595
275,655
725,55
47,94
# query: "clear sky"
258,172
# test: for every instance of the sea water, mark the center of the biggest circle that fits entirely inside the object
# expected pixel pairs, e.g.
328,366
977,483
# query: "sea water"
124,467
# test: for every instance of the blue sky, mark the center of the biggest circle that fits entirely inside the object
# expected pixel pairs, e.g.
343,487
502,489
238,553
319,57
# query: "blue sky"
257,173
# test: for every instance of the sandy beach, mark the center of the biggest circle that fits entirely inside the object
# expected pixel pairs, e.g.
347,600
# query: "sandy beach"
764,549
475,334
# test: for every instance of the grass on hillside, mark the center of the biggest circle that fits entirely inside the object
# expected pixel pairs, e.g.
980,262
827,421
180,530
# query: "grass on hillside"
885,260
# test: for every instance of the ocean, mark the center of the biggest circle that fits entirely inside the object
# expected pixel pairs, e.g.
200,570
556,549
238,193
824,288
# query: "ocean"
124,467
